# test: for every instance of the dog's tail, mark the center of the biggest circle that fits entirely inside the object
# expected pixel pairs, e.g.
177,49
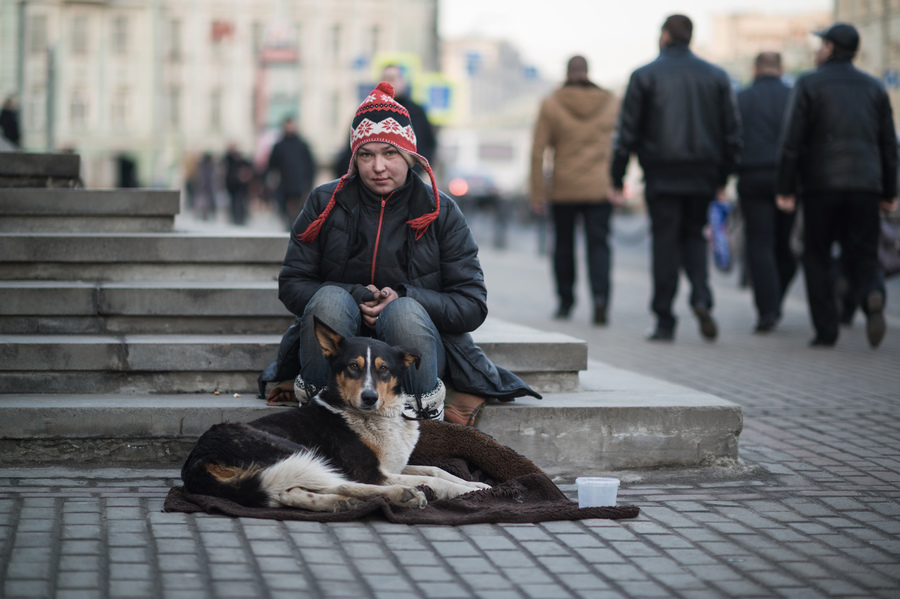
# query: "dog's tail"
211,469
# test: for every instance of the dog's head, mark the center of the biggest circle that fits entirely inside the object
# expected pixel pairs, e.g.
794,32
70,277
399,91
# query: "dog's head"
365,373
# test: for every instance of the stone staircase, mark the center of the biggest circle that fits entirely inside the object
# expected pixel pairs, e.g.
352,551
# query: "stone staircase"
123,338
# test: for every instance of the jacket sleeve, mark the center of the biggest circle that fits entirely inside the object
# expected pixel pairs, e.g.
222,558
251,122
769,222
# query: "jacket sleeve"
792,133
731,127
300,276
627,135
461,304
540,142
888,142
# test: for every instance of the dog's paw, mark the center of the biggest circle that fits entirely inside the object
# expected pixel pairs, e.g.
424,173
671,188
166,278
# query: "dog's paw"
476,486
346,504
412,498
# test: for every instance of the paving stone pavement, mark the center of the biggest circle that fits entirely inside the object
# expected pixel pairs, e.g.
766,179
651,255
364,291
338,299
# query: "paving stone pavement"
810,510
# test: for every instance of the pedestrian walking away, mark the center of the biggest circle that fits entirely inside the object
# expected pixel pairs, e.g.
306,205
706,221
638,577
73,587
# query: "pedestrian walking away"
9,120
680,117
380,253
426,139
238,174
771,261
574,133
840,148
292,159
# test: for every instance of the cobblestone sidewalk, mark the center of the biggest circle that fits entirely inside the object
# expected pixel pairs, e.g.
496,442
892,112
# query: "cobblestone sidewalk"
811,510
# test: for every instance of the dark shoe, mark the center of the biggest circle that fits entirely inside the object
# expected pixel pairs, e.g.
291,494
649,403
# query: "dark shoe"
660,334
563,312
766,324
819,342
875,323
600,315
708,327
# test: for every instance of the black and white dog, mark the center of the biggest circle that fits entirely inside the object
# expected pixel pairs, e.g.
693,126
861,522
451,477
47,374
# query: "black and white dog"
349,443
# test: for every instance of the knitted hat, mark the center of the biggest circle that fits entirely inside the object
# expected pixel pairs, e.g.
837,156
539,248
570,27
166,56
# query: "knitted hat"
380,118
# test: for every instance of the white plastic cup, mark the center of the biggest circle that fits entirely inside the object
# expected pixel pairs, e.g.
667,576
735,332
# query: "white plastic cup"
597,491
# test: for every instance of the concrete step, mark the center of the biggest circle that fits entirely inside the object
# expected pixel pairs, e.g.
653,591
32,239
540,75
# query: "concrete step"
26,169
142,307
617,420
108,210
231,363
178,255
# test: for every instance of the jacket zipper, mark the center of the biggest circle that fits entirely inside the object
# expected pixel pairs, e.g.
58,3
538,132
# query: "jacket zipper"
378,235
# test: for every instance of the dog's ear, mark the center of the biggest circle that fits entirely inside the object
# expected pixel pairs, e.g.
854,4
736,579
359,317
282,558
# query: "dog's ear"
409,356
328,338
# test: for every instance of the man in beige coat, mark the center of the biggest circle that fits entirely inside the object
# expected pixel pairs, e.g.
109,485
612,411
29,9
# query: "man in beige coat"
574,133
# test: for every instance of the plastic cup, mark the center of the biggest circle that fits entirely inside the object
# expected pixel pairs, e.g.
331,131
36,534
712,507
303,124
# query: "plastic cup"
597,491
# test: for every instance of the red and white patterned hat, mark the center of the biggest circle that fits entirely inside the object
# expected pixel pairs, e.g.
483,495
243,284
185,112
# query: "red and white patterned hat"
382,119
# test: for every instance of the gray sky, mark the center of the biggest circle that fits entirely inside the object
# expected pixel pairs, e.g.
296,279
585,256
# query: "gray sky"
616,36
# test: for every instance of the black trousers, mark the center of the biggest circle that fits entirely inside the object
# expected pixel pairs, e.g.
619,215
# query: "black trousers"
677,224
768,235
596,231
852,220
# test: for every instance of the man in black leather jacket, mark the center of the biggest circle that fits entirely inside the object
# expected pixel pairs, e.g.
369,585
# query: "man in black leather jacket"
770,260
679,116
839,153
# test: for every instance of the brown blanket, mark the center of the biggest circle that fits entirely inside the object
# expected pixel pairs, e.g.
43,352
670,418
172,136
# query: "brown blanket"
520,491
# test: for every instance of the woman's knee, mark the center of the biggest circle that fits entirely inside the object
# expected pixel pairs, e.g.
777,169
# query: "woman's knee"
335,307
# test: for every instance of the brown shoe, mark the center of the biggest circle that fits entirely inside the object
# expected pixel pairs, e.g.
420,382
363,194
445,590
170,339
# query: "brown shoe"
463,408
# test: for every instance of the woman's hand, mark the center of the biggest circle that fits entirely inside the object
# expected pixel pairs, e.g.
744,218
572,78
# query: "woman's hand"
371,310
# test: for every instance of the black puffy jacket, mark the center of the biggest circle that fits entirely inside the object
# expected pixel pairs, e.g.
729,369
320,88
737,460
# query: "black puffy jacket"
838,134
442,273
679,115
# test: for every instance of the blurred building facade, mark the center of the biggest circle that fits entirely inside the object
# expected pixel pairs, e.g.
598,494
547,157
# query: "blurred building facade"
499,96
739,37
164,80
878,23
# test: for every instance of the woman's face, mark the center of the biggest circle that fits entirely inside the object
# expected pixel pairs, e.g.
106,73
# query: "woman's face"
381,167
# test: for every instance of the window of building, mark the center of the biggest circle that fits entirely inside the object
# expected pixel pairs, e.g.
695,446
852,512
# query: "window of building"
175,40
215,110
336,112
37,34
120,35
256,37
121,109
336,41
174,106
375,39
78,110
36,107
80,35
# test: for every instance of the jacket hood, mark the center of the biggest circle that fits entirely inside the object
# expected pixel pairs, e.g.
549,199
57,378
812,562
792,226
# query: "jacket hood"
582,101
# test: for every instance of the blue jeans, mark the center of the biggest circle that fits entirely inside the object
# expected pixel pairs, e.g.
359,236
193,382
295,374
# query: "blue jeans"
402,322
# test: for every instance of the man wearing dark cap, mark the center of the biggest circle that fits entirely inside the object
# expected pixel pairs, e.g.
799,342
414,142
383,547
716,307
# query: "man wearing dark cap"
838,153
679,116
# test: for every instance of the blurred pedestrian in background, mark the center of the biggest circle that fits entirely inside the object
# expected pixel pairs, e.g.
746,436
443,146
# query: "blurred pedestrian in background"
204,187
9,120
679,116
426,140
238,175
840,150
771,262
296,168
575,127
